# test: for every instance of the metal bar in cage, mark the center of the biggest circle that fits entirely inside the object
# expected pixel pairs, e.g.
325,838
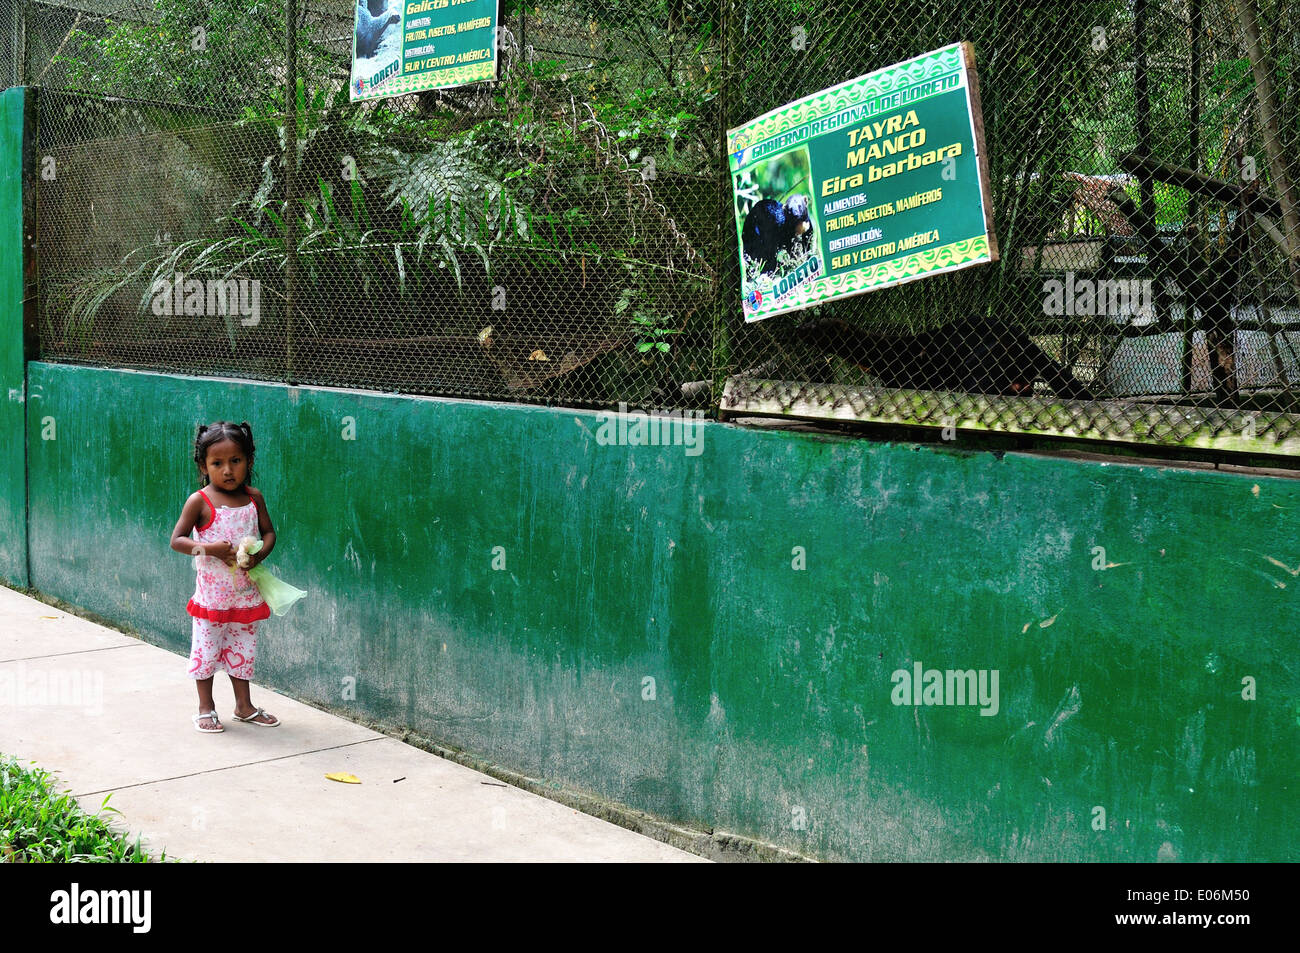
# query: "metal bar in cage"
59,51
1199,183
1197,29
1270,326
1146,188
1194,104
1143,104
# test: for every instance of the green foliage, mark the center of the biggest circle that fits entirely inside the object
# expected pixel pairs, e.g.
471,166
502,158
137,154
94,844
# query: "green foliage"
651,324
200,52
652,79
651,121
462,200
39,826
552,175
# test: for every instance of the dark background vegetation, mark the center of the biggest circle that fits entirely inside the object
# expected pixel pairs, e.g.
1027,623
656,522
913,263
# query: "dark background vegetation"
566,234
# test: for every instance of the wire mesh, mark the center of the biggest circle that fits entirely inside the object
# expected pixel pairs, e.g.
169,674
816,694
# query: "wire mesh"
567,234
1144,291
10,37
541,238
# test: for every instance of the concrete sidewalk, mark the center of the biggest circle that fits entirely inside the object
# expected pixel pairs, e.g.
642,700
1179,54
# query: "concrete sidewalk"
105,712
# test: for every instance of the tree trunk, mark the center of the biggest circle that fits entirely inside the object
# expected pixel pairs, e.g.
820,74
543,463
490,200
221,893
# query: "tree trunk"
1249,19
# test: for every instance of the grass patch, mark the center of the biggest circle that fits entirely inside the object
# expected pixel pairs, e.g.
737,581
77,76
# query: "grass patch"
37,825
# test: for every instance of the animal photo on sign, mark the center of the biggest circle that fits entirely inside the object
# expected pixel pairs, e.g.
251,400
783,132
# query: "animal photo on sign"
378,34
778,224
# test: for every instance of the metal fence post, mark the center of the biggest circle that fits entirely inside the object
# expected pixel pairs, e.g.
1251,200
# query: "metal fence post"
290,167
721,349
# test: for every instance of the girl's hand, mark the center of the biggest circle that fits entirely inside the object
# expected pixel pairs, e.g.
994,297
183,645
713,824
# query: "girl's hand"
220,550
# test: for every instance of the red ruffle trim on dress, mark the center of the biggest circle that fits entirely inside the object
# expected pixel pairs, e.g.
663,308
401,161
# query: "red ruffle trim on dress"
239,614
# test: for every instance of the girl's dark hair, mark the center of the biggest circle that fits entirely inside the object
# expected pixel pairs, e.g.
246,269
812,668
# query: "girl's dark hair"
241,433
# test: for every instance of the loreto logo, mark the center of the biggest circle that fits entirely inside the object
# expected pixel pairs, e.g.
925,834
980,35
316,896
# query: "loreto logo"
670,428
211,296
77,906
947,687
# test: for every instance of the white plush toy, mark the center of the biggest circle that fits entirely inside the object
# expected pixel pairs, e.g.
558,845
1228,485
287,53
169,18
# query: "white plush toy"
279,595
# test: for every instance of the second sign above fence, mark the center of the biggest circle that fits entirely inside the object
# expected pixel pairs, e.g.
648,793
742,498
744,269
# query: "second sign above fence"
880,180
405,46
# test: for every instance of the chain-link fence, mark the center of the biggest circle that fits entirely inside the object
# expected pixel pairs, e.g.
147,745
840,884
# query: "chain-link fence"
548,237
567,234
11,32
1140,200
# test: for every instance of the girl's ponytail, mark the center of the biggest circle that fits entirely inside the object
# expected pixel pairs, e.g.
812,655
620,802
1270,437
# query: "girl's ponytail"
250,448
199,454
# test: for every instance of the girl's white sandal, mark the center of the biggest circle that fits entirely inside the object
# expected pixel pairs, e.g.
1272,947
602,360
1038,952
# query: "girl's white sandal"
260,724
208,731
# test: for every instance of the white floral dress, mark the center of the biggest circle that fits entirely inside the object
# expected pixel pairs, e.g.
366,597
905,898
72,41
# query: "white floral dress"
226,607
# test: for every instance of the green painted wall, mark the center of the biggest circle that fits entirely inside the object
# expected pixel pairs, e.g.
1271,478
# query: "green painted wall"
13,489
1119,688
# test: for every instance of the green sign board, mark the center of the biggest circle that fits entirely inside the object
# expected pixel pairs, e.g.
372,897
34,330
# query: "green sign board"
880,180
404,46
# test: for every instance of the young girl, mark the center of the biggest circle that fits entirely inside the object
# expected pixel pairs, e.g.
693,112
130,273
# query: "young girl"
226,608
